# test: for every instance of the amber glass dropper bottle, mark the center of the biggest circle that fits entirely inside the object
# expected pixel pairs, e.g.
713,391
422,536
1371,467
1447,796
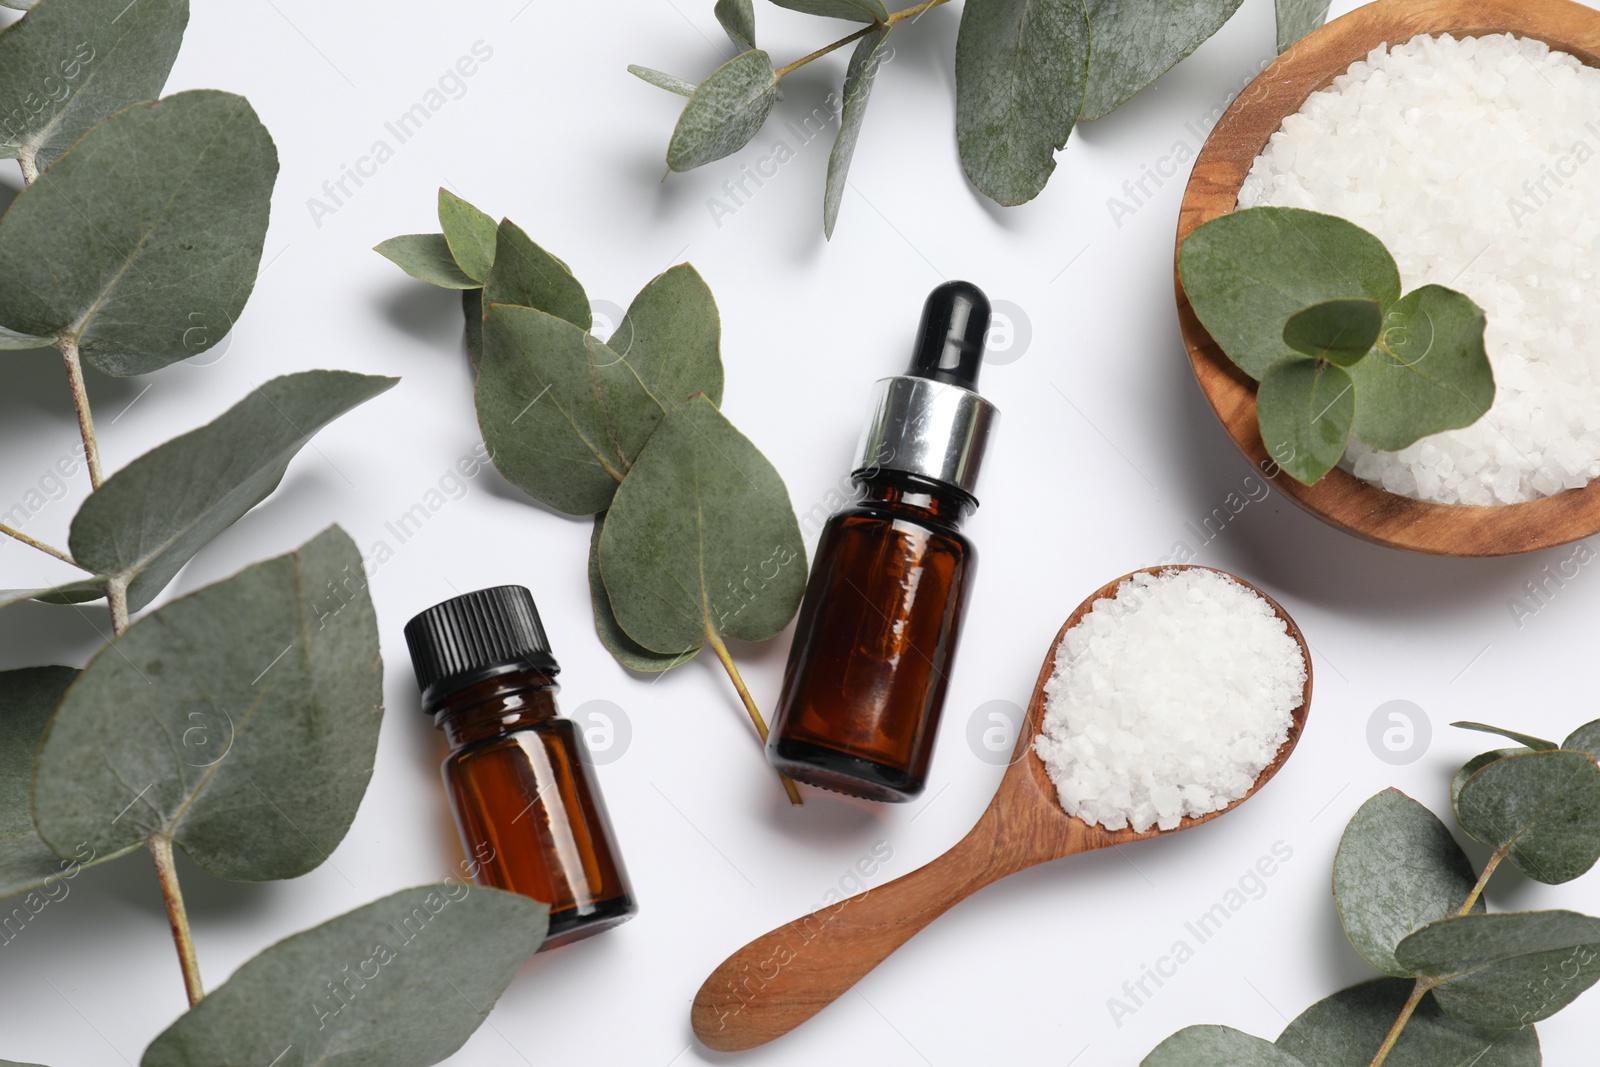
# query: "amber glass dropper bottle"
530,818
867,673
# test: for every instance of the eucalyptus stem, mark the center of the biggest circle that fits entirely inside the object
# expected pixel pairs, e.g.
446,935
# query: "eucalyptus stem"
177,916
1422,986
40,545
714,639
1418,991
30,167
80,403
872,27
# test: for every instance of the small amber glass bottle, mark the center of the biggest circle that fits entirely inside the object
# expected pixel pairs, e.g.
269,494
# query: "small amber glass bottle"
870,663
530,818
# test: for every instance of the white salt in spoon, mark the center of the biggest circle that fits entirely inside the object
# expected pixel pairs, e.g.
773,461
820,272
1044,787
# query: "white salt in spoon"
783,978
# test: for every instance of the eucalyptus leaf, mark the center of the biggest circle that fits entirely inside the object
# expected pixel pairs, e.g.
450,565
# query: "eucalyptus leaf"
1585,739
1522,739
400,982
1217,1046
148,519
662,80
426,257
701,538
1544,805
854,10
738,20
725,111
671,338
1397,869
150,271
1296,18
73,62
554,404
470,233
79,592
1473,766
28,697
1507,969
858,79
239,721
627,651
1021,71
1429,372
526,275
11,340
1339,331
1134,42
1346,1030
1305,409
1246,272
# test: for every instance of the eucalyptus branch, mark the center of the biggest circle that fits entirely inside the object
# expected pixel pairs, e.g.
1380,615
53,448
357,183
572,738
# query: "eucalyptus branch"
29,163
1422,986
872,27
80,402
40,545
714,639
177,916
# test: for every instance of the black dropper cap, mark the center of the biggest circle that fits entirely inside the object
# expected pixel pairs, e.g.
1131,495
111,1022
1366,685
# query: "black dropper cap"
475,637
955,323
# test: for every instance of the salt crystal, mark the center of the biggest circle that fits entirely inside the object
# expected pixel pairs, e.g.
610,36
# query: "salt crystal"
1168,700
1473,160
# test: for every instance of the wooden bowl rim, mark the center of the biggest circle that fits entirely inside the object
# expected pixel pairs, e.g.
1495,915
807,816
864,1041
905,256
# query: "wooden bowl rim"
1025,759
1341,499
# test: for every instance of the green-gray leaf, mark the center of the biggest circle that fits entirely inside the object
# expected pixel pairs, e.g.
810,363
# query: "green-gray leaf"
1522,739
400,982
1339,331
1021,70
1397,869
628,652
858,79
672,337
1296,18
470,234
1507,969
1473,766
701,538
150,271
526,275
11,340
28,697
854,10
1585,739
662,80
1429,372
1248,271
738,20
239,721
78,592
725,111
1134,42
1217,1046
555,405
148,519
1545,805
1305,409
1346,1029
426,257
73,62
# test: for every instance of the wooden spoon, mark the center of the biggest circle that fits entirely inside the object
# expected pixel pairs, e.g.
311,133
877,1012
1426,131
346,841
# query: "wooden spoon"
783,978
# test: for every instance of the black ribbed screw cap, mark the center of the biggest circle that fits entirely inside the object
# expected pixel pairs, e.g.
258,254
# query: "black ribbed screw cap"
475,637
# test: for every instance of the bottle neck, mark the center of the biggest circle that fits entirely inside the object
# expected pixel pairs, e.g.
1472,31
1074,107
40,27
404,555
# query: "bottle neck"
496,707
922,498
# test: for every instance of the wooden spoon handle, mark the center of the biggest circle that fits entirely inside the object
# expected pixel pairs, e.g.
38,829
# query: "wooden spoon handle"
784,977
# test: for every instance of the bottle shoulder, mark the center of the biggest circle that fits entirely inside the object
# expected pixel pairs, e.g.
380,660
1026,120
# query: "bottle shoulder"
871,513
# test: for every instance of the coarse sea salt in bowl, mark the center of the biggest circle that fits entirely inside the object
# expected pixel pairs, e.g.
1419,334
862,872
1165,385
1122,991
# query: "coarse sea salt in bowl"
1527,476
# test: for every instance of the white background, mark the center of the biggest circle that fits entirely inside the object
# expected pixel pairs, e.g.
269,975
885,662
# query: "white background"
1106,453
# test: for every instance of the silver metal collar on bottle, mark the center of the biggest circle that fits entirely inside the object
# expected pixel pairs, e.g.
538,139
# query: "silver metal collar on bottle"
927,428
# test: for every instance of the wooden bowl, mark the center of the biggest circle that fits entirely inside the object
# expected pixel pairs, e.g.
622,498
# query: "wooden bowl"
1341,499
